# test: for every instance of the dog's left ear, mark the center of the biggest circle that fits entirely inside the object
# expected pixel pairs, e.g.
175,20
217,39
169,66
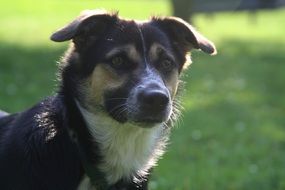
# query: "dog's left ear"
184,35
90,23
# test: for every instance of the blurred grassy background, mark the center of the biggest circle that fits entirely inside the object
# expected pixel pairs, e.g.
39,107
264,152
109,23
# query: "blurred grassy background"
232,134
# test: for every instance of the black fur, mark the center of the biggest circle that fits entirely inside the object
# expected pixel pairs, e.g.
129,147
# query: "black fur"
36,151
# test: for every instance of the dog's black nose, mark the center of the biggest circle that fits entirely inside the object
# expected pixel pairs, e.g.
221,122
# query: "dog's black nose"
156,99
151,104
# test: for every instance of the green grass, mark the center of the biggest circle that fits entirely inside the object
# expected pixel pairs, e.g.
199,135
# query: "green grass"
232,134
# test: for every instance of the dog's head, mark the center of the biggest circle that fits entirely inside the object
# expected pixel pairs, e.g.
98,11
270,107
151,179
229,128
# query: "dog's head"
127,69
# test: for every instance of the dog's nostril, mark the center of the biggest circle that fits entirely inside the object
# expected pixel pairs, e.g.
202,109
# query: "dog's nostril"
154,98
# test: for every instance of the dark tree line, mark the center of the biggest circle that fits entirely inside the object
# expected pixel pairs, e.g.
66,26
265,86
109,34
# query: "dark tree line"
182,9
185,8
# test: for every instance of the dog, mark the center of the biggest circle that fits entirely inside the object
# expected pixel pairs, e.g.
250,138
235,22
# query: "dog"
108,123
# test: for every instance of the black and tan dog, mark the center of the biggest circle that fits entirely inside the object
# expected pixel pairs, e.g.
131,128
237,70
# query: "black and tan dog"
107,124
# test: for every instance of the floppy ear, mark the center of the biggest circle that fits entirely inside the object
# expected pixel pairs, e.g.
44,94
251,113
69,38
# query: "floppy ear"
91,22
184,35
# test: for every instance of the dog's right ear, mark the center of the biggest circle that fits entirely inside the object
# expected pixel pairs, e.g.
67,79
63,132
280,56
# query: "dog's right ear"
184,35
89,23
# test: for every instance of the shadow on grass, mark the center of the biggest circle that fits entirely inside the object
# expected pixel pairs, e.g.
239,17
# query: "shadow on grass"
27,74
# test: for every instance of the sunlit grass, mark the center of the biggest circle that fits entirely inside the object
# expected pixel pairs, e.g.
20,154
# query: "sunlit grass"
32,24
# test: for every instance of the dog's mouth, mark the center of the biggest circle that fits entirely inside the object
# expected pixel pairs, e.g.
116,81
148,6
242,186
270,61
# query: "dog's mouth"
150,116
141,116
147,122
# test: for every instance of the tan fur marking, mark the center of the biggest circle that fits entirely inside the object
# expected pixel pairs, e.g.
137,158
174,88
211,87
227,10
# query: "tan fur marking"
154,51
172,84
102,79
130,49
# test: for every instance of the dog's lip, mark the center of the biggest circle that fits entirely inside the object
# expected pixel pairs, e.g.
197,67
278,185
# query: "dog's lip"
147,122
144,119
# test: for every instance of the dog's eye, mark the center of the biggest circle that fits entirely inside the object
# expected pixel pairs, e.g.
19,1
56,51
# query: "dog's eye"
121,63
167,64
117,62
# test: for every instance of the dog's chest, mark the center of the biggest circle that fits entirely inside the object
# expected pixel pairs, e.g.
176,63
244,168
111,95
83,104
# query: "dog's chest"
127,150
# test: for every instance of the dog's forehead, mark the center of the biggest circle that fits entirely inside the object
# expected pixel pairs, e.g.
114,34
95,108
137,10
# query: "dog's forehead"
153,35
142,35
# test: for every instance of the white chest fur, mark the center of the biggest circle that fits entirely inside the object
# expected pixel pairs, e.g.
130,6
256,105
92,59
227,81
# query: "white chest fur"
126,149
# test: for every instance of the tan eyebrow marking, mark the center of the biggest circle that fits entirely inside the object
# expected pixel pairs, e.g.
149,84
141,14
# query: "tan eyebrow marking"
129,49
155,50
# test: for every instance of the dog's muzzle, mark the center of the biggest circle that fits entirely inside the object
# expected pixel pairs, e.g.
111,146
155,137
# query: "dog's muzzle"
150,103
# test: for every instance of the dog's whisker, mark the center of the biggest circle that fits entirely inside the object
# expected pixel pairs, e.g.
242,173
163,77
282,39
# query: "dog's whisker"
120,111
110,99
132,108
116,108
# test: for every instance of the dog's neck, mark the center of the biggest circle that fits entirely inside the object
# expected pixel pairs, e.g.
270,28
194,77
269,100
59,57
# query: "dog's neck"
127,151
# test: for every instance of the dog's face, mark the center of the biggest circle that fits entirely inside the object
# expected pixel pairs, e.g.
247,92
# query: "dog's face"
127,69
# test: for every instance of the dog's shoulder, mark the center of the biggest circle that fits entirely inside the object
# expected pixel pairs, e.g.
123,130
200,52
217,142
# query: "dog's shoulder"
39,121
31,146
